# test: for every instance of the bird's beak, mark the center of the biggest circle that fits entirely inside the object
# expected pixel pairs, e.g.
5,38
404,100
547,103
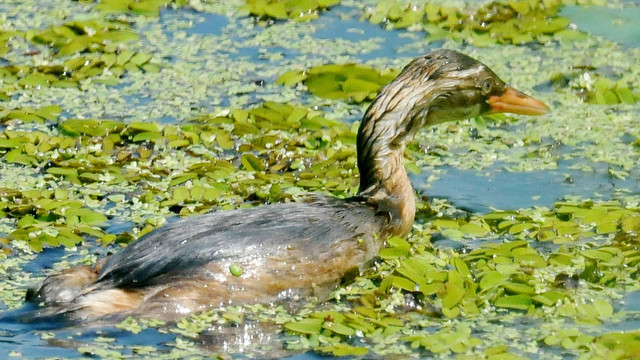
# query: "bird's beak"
516,102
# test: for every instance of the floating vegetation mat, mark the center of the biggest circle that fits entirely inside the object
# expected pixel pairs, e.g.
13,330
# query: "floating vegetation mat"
499,22
141,7
118,116
298,10
595,88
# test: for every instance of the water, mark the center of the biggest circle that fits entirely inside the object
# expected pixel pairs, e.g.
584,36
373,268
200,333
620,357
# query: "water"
343,23
618,25
466,189
496,188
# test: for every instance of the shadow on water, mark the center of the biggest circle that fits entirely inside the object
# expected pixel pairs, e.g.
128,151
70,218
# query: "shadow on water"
257,339
16,337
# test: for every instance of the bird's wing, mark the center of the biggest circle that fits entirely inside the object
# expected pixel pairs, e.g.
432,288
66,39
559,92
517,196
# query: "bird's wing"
189,244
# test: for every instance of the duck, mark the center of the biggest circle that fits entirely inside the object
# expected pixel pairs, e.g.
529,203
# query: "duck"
295,251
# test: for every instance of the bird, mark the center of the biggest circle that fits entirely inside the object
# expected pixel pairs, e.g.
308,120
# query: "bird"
296,251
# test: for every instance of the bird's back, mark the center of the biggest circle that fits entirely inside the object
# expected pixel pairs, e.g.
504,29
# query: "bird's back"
263,254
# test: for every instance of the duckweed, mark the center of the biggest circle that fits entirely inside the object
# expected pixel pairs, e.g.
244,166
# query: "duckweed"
235,269
5,38
71,73
28,114
113,153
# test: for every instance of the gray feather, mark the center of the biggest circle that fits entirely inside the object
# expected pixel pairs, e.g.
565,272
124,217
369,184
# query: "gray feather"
186,245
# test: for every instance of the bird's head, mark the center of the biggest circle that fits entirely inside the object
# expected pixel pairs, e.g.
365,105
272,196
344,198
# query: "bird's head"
442,86
446,85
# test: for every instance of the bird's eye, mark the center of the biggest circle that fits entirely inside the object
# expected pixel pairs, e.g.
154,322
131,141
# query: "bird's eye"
487,85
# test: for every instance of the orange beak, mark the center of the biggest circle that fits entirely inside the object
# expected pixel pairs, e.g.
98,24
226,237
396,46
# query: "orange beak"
516,102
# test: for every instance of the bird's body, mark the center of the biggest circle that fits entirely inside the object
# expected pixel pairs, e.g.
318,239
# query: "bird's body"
287,252
186,266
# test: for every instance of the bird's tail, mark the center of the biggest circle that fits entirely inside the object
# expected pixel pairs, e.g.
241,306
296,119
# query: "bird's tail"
58,293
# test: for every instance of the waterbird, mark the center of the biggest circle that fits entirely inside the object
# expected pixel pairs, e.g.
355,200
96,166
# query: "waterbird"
292,251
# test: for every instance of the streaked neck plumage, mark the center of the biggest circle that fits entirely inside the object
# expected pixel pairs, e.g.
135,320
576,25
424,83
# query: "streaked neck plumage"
386,127
442,86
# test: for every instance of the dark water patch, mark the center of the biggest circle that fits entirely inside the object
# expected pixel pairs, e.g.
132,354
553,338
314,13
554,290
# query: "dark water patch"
18,339
118,226
260,54
166,120
47,257
630,303
146,337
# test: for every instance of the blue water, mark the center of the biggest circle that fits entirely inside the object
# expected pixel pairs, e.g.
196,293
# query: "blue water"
466,189
618,25
478,192
209,24
344,23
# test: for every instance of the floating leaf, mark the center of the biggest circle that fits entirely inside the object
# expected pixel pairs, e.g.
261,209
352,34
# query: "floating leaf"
356,83
305,326
518,302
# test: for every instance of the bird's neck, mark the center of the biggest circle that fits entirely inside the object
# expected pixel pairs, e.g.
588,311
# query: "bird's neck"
383,178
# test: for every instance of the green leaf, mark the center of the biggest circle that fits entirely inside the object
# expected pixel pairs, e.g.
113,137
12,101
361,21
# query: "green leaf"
305,326
251,162
518,302
87,216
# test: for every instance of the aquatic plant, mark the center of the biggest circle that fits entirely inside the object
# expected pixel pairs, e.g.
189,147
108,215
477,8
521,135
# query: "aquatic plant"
351,82
499,22
84,36
140,7
298,10
113,153
89,168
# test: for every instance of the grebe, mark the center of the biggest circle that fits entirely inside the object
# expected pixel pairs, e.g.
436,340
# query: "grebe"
296,250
